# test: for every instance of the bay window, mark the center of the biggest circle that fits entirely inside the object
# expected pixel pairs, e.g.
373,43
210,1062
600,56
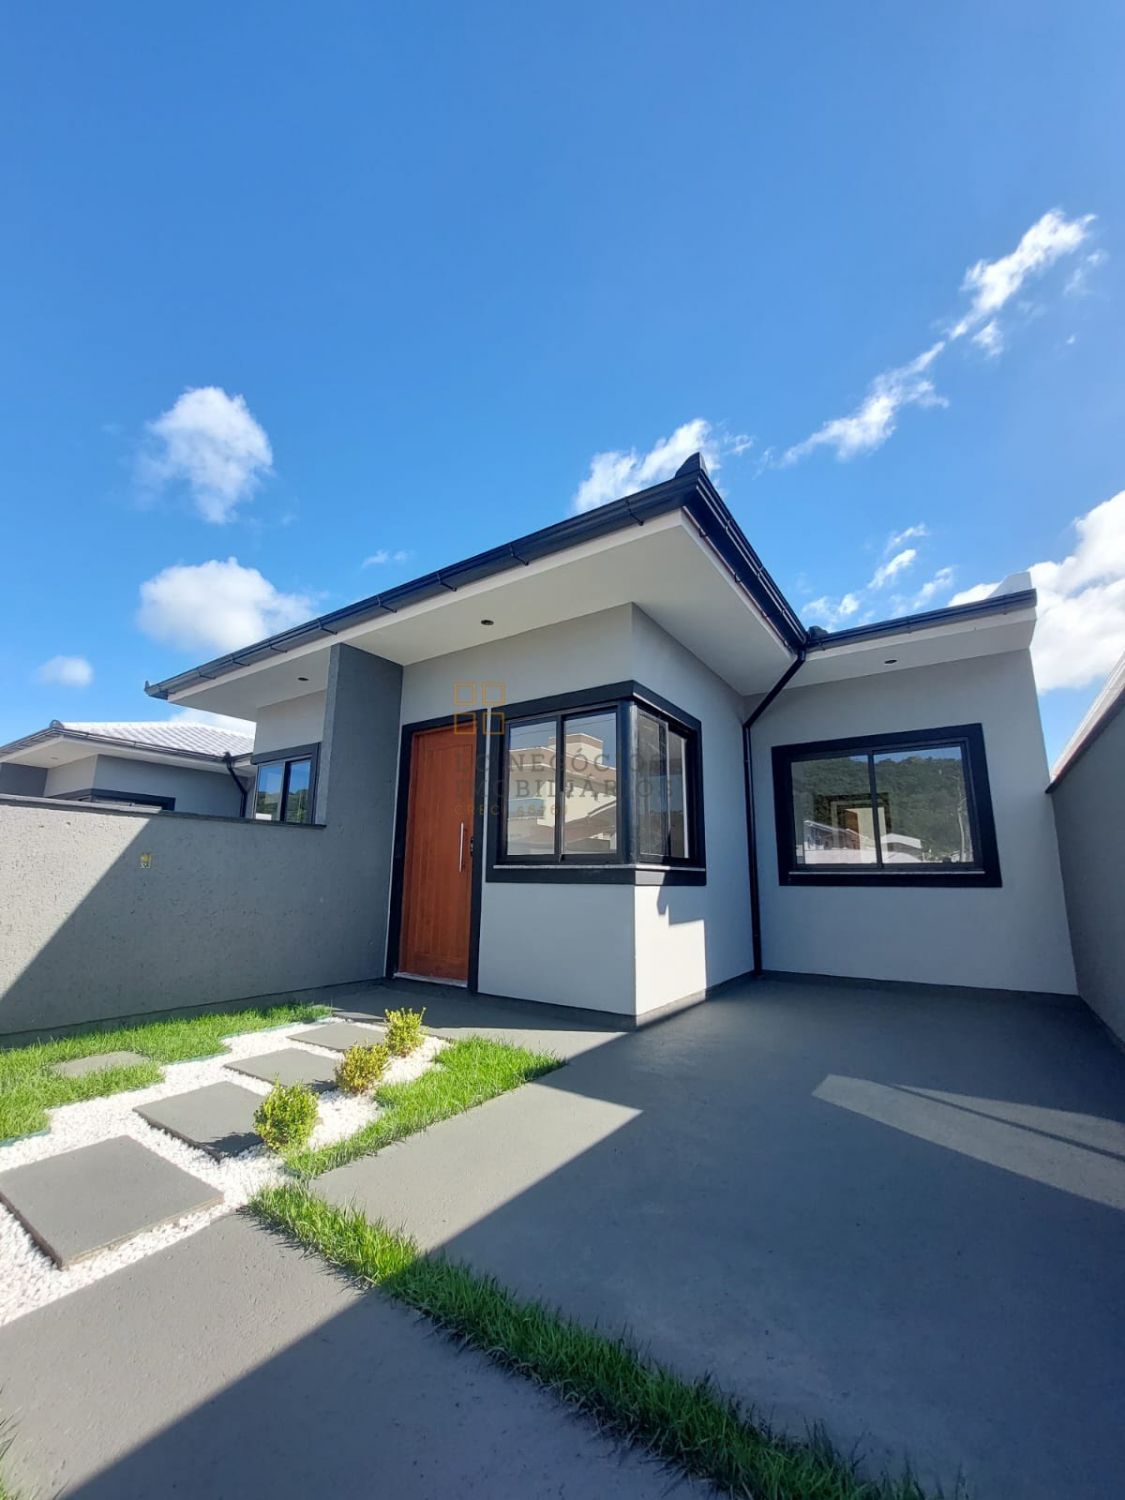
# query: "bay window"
598,785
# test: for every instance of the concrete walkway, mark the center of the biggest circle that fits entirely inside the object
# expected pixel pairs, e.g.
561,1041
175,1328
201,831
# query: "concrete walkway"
232,1366
898,1213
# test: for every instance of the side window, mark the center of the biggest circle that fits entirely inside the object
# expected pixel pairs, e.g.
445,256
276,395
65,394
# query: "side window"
283,791
899,809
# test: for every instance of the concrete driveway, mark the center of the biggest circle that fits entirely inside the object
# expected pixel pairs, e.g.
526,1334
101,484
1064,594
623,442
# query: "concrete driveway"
899,1214
232,1366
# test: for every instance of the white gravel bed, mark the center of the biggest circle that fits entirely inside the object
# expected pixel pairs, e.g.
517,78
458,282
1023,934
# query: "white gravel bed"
30,1279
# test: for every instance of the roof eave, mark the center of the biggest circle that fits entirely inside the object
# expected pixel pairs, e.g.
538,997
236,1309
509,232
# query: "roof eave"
691,492
108,742
1000,604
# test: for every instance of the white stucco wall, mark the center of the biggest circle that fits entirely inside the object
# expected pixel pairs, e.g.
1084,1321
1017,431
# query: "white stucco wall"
296,721
690,938
584,652
566,945
1014,937
603,947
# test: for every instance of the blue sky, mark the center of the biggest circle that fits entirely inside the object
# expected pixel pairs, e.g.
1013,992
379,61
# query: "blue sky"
309,289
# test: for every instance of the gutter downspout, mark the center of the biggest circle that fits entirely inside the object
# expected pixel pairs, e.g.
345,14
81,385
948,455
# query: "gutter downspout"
242,790
751,827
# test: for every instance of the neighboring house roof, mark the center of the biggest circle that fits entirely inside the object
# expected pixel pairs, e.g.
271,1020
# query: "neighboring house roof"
1101,713
180,734
178,740
688,498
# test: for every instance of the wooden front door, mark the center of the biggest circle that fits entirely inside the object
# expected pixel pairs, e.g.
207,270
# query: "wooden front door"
437,878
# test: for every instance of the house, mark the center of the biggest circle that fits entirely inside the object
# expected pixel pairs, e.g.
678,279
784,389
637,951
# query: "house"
606,766
167,766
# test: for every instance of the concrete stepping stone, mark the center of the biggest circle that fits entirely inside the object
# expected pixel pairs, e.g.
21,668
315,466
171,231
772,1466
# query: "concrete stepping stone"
95,1197
218,1118
78,1067
340,1035
289,1065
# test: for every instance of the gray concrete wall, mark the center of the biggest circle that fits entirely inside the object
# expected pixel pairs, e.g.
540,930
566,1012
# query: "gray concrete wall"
22,781
1011,938
220,910
1089,804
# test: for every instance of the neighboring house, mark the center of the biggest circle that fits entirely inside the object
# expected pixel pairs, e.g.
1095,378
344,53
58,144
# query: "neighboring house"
170,767
605,765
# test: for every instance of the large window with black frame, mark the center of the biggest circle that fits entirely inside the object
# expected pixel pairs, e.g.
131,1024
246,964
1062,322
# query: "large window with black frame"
886,809
598,783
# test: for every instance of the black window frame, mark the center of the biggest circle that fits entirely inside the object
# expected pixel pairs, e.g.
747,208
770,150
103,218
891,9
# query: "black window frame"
287,758
983,873
623,866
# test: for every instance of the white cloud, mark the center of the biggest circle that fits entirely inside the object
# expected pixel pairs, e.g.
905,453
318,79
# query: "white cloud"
989,340
899,563
210,442
898,560
216,721
875,418
1078,283
970,596
216,606
382,556
1081,628
66,671
832,611
993,284
910,534
617,473
929,591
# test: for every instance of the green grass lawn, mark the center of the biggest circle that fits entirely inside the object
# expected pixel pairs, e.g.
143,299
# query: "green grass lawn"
691,1424
464,1074
28,1088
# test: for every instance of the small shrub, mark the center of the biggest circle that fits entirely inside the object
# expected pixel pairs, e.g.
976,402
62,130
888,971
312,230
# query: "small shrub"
286,1116
404,1031
361,1067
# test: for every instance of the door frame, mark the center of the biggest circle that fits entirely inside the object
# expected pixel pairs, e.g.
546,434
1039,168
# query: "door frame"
398,860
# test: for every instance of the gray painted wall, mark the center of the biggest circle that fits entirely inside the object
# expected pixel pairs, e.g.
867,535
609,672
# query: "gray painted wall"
1089,804
195,791
1012,938
72,776
223,910
22,781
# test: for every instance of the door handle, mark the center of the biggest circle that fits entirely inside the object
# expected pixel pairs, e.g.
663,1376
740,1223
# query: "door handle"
461,851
